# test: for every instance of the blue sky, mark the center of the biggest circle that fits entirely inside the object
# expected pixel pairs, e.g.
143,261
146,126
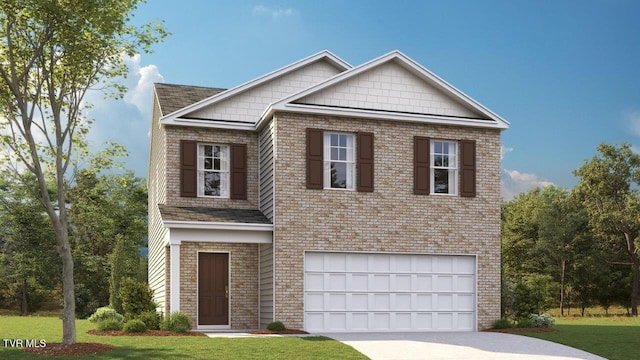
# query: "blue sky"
565,74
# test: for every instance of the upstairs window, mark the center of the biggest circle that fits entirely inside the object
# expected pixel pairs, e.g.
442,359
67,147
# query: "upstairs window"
339,161
213,170
444,167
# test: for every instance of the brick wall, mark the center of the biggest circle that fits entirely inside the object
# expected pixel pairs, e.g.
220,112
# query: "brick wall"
392,218
243,281
218,136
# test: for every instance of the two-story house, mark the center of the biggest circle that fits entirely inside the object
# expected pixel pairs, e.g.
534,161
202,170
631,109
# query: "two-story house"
328,197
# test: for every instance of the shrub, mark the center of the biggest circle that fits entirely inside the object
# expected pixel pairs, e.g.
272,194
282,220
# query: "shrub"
502,324
276,326
151,319
105,313
109,324
137,297
542,321
524,323
176,322
135,326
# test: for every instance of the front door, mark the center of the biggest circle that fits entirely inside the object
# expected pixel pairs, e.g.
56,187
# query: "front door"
213,289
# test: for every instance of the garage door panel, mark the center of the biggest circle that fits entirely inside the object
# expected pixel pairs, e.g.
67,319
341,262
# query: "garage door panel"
389,292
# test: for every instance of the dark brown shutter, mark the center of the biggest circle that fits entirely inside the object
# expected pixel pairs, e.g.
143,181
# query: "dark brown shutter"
468,168
421,163
315,159
238,171
188,168
365,162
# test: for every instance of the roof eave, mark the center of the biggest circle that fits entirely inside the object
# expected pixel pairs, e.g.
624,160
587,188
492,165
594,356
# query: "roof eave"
211,225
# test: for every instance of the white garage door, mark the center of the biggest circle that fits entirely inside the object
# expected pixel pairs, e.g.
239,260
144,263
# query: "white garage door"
389,292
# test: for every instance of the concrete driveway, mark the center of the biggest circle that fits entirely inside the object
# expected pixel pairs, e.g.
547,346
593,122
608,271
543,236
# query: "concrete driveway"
456,345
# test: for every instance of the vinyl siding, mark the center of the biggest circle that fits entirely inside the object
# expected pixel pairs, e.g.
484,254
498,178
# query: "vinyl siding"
157,186
266,284
266,170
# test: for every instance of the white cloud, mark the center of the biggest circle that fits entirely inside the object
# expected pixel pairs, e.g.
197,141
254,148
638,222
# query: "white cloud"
632,117
140,94
504,151
126,121
261,10
515,182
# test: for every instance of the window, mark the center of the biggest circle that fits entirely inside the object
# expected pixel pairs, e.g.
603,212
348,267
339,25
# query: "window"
339,161
444,169
213,170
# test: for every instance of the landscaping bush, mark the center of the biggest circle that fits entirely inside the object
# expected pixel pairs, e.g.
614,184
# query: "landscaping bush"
109,324
542,321
151,319
276,326
137,297
135,326
105,313
524,323
176,322
502,324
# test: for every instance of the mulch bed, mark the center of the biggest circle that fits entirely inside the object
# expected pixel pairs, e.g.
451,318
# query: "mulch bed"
75,349
523,330
146,333
283,332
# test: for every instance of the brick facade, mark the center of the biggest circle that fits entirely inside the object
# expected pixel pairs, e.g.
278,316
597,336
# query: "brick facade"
215,136
243,281
390,219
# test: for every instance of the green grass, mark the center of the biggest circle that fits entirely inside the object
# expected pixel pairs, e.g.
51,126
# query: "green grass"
171,347
612,337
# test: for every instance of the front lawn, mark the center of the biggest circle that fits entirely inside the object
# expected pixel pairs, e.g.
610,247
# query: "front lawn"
610,337
171,347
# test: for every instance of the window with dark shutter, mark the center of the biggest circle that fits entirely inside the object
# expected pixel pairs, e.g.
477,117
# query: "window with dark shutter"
315,159
365,162
188,168
238,171
468,168
421,165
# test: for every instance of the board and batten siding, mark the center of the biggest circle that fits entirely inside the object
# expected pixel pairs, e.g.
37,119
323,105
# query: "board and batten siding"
157,233
265,253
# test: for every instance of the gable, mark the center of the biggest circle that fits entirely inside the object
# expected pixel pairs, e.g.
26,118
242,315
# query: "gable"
390,87
250,104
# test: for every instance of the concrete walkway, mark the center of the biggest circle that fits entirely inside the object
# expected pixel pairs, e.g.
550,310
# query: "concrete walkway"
467,345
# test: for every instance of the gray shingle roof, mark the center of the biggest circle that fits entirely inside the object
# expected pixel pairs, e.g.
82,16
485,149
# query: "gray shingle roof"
174,97
174,213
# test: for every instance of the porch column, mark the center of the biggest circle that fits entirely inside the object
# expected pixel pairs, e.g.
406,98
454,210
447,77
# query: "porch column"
175,275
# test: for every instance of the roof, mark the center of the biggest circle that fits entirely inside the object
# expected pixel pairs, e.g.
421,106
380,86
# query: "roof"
169,117
173,97
291,103
211,215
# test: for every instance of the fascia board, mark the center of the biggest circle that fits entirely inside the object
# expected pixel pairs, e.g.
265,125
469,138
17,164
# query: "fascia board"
258,81
210,124
387,115
207,225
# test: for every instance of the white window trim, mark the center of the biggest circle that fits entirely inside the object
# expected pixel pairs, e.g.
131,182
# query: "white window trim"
224,171
453,165
351,164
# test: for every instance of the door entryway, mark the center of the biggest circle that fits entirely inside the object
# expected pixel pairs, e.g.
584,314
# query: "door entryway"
213,289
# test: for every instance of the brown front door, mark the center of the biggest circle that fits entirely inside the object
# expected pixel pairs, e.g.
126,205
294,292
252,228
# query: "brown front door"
213,289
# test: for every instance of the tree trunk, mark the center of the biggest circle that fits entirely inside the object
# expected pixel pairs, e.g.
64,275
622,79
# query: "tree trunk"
68,292
631,249
635,285
563,264
24,306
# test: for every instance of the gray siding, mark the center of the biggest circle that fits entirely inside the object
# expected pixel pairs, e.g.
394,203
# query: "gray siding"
265,257
265,145
157,186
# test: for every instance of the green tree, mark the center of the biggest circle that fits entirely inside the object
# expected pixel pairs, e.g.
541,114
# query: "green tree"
27,247
51,54
608,188
108,227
